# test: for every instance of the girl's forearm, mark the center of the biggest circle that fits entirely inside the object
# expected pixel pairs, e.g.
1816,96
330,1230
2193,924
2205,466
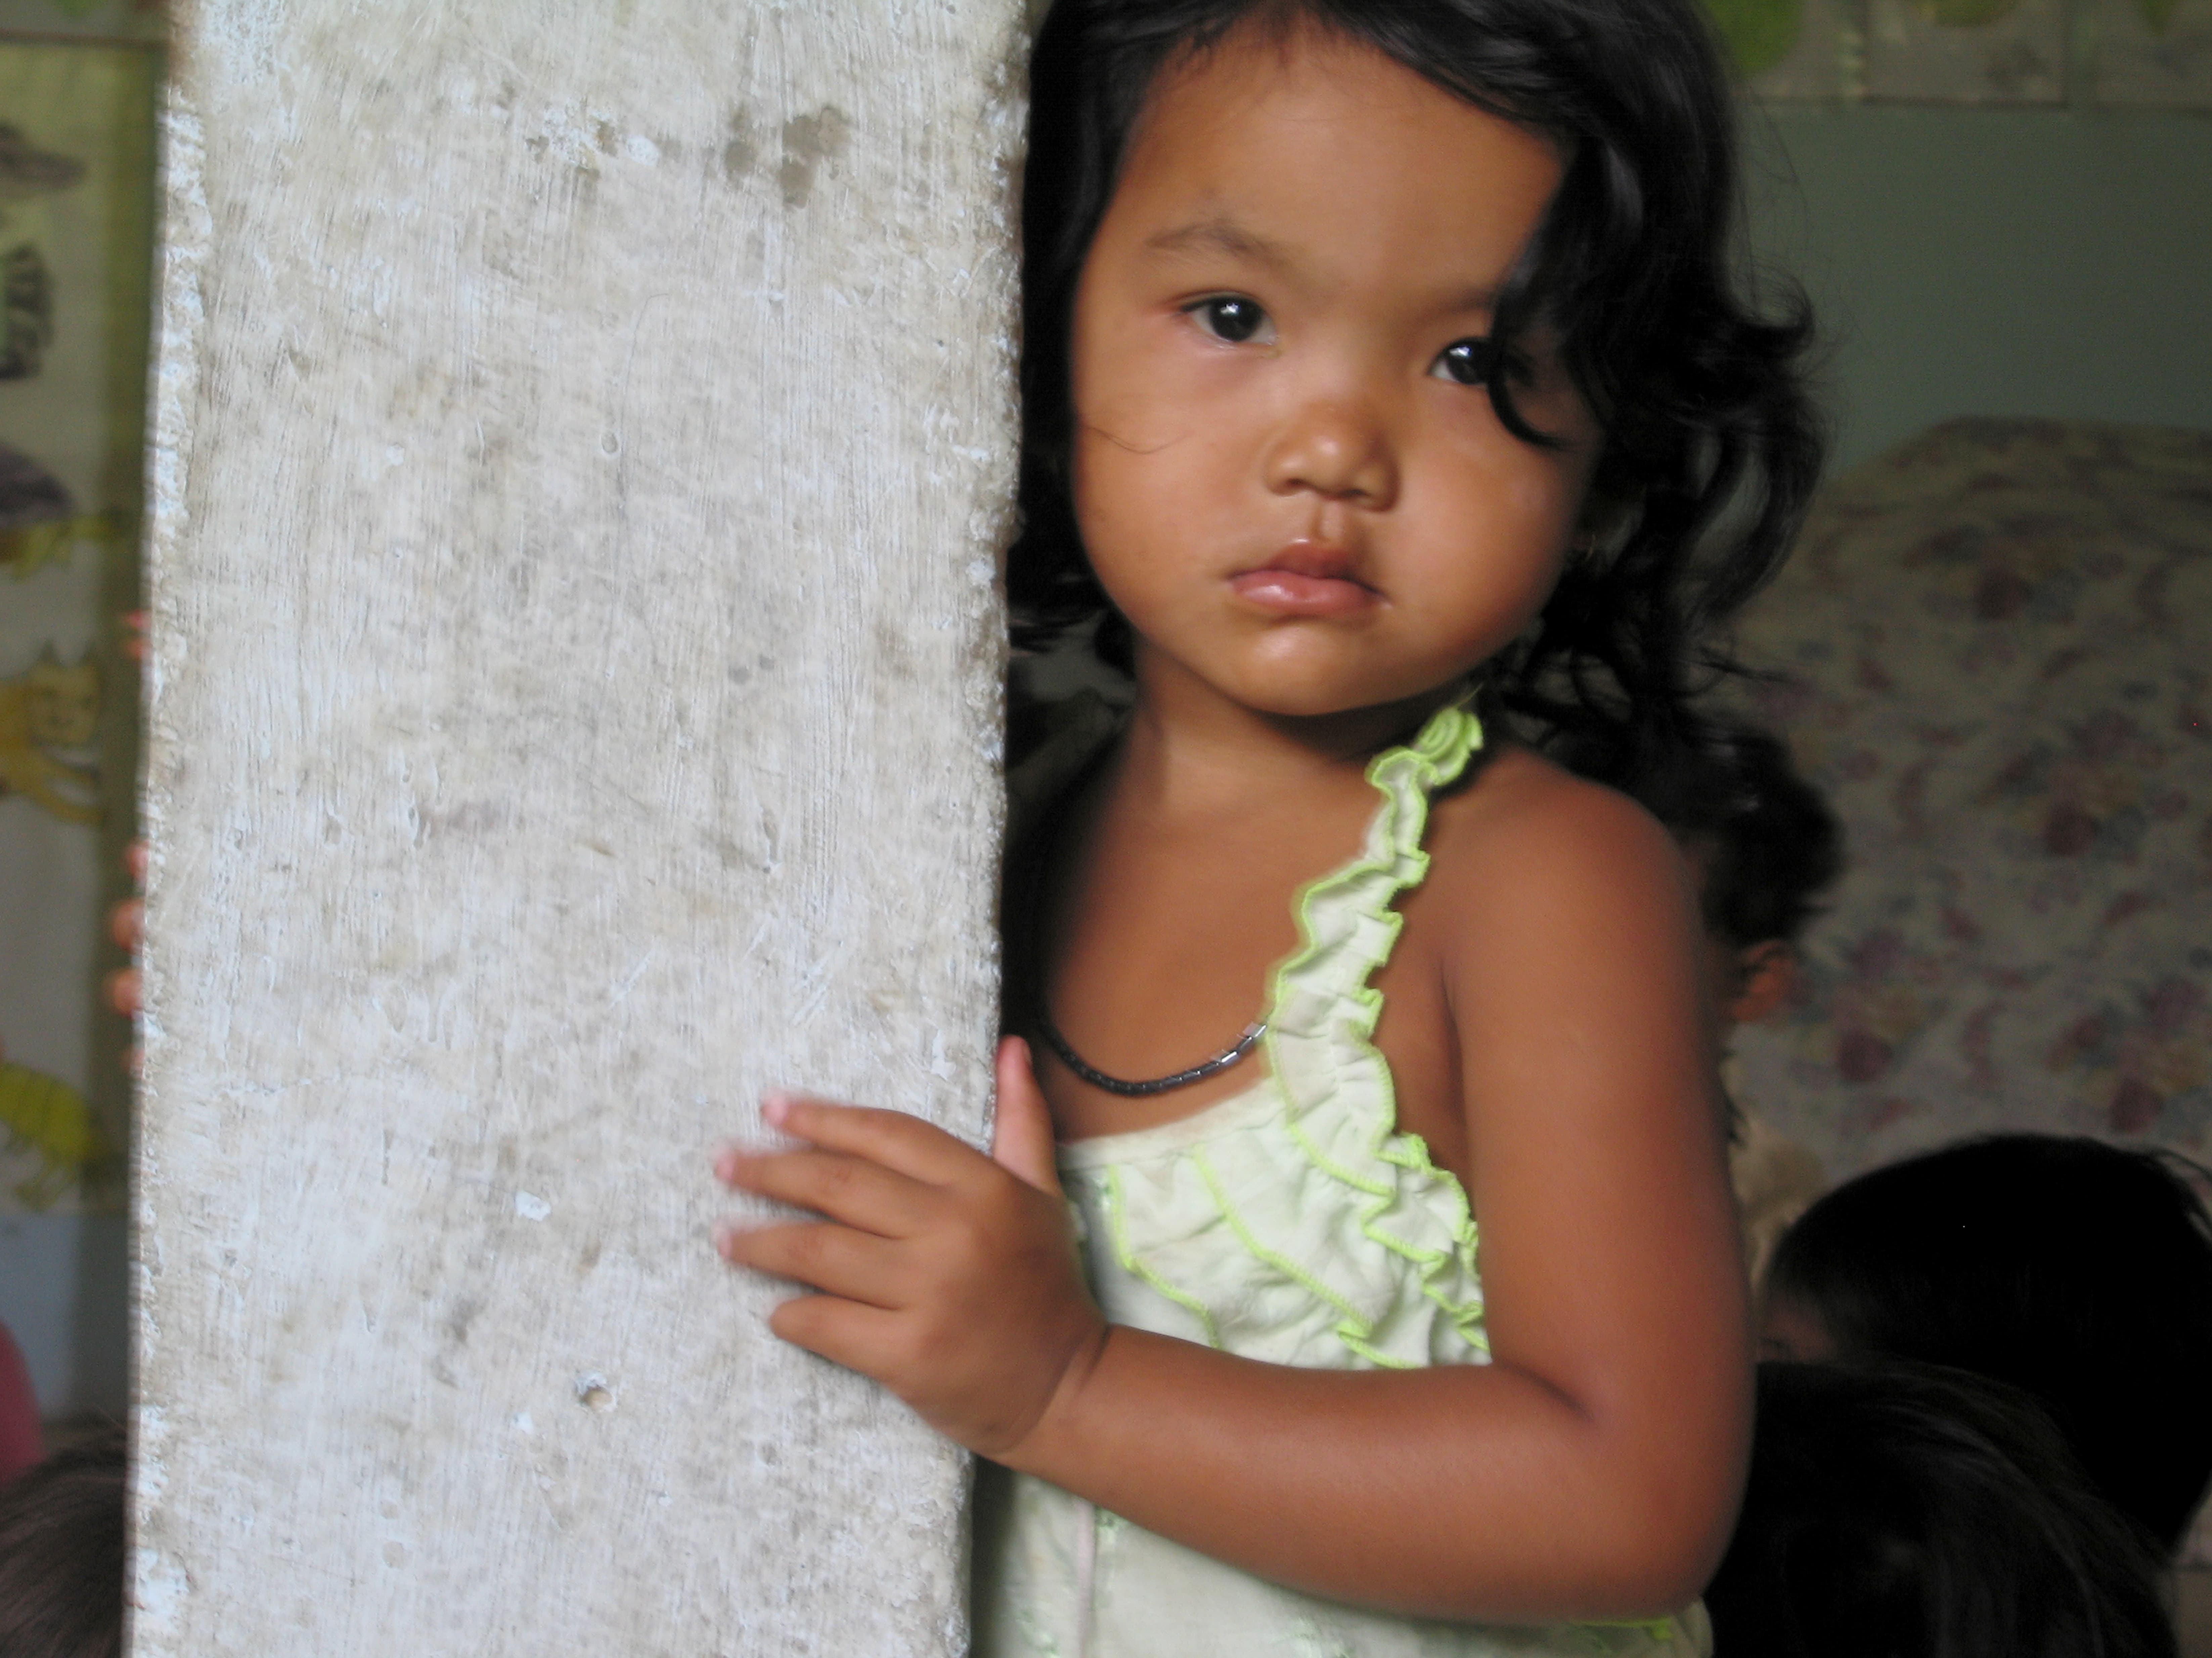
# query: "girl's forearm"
1589,1474
1463,1491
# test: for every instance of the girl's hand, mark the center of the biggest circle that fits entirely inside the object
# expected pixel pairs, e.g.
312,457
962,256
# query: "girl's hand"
126,925
950,1278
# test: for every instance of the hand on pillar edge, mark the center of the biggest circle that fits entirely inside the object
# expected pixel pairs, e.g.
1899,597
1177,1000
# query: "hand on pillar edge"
952,1277
126,925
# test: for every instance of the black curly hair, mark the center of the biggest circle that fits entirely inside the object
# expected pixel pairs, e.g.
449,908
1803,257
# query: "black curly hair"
62,1553
1710,444
1915,1511
2079,1271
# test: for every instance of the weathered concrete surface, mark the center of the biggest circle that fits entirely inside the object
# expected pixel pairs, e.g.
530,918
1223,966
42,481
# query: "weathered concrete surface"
582,431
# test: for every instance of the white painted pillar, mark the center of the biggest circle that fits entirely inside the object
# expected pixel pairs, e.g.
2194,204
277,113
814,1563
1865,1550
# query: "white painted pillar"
583,433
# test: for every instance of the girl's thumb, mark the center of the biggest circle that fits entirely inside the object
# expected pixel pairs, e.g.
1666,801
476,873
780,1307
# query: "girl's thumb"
1021,1138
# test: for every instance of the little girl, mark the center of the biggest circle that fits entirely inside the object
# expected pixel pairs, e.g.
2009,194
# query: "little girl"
1355,1271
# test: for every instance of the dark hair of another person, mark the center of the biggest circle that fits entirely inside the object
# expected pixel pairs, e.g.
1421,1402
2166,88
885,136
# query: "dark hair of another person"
1770,846
2077,1271
1711,448
1909,1511
61,1553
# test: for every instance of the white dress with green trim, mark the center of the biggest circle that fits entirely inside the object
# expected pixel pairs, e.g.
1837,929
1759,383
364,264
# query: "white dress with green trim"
1290,1223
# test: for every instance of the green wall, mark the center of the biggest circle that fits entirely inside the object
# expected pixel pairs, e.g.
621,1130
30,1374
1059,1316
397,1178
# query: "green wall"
1993,262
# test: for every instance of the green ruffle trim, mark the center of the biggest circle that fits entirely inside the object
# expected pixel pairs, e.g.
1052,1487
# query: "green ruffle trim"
1320,1040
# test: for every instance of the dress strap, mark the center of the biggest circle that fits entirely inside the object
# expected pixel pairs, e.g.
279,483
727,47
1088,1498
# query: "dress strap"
1322,1011
1340,1106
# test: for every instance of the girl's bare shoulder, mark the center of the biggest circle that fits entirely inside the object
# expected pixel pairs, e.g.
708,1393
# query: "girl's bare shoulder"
1528,842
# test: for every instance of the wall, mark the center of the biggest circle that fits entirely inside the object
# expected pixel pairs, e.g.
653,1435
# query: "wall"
582,435
64,1295
1968,261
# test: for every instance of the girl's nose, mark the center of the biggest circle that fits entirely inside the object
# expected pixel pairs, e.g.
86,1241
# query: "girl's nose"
1337,448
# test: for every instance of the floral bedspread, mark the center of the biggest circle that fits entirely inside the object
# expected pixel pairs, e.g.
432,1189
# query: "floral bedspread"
1996,650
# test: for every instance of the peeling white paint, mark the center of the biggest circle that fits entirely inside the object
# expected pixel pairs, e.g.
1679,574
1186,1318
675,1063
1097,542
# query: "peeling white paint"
158,1590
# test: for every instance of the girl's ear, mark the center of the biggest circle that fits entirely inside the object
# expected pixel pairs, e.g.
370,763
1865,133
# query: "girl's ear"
1767,979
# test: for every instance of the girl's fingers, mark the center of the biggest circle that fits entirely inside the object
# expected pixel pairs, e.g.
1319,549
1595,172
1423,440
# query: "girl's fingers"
125,991
843,1331
846,1188
906,1145
126,924
1021,1132
835,1259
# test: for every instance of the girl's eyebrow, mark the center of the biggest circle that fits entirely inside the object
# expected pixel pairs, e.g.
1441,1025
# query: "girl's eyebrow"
1481,297
1222,234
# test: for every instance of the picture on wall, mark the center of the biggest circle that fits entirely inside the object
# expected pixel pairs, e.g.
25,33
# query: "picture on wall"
77,180
108,21
2153,53
2140,53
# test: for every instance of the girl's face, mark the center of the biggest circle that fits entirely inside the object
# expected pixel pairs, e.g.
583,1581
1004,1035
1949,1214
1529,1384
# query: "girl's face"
1288,473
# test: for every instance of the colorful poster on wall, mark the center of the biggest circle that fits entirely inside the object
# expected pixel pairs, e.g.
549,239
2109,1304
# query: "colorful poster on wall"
2149,54
76,173
111,20
2153,53
1970,52
1793,48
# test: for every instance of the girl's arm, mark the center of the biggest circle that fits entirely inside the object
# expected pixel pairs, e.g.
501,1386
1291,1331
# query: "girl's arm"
1589,1471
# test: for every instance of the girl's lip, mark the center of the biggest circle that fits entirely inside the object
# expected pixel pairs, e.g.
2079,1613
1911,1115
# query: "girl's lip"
1293,592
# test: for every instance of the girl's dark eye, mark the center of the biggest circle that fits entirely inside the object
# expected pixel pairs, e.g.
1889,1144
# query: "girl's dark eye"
1466,362
1228,318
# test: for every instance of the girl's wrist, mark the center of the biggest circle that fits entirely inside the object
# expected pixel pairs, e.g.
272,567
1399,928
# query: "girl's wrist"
1053,1440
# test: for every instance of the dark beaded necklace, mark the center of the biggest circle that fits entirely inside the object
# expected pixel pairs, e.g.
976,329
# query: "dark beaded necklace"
1122,1085
1128,1087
